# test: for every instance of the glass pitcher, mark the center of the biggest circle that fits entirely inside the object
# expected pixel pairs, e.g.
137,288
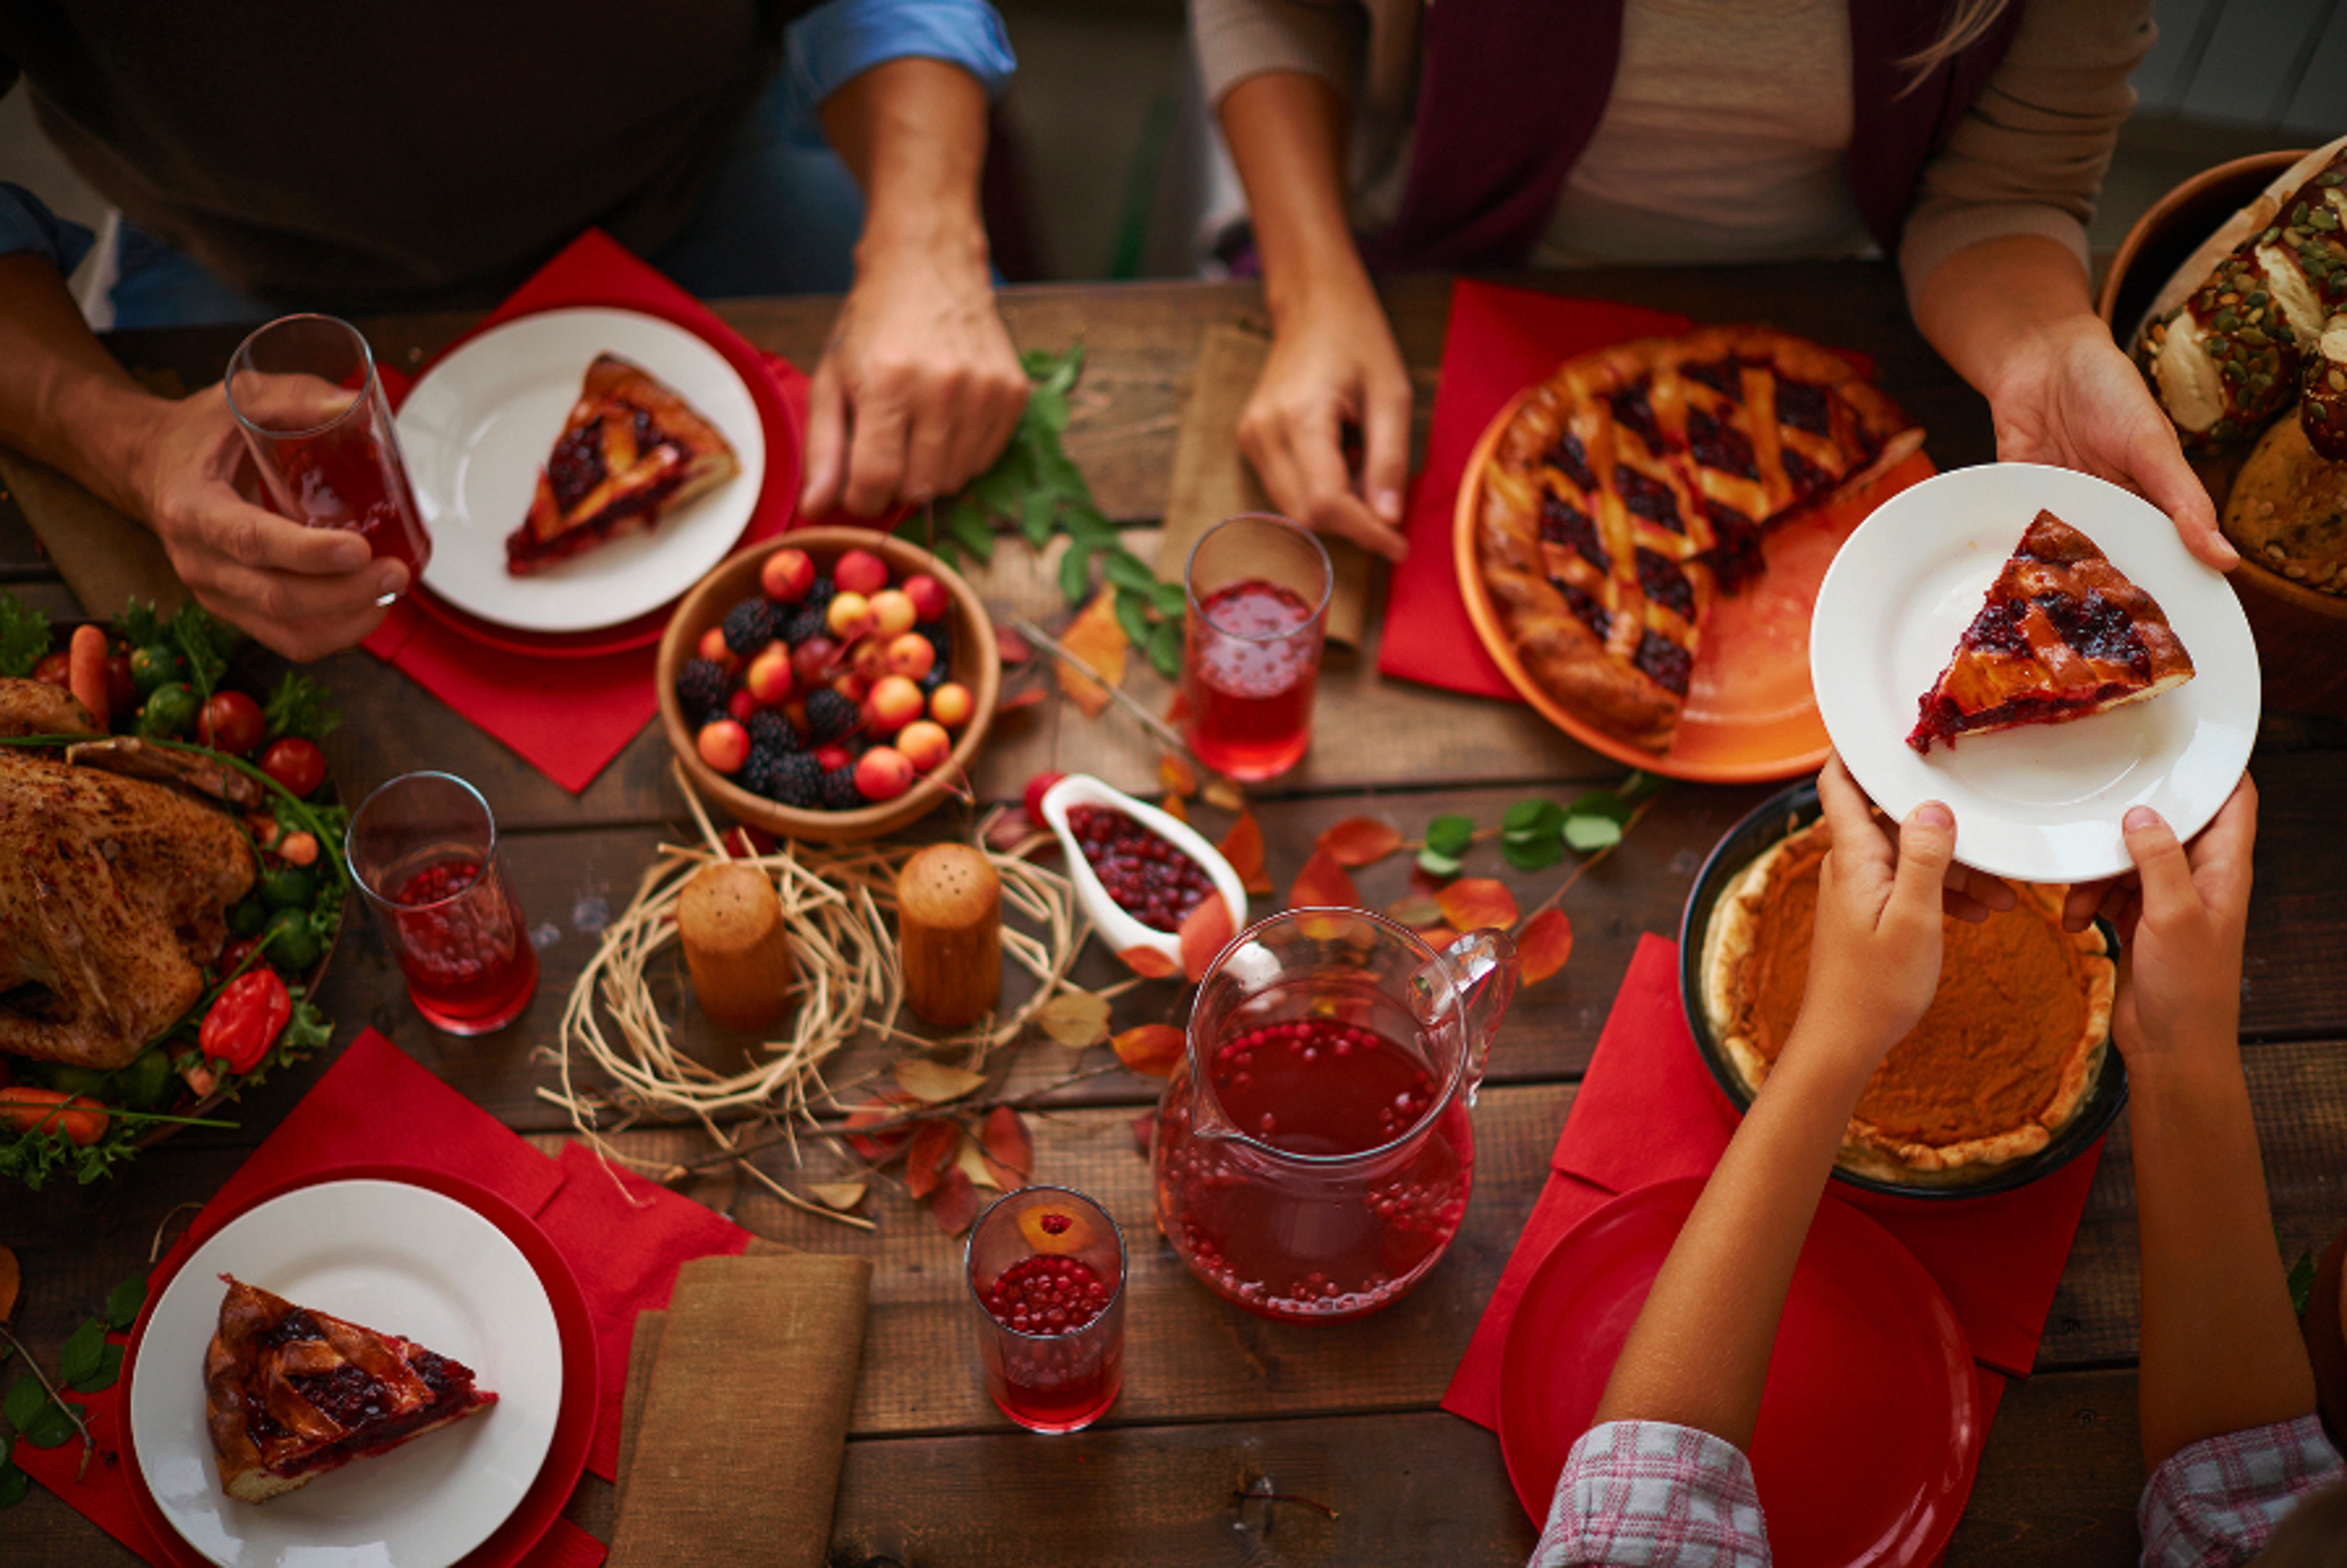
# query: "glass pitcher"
1313,1151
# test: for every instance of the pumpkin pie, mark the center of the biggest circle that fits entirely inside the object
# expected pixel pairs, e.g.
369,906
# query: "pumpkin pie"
2009,1050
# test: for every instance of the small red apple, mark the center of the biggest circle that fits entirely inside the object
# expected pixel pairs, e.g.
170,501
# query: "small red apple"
1037,788
723,746
834,755
812,660
870,659
770,678
713,648
741,705
930,599
852,686
892,612
925,744
883,773
910,654
849,615
896,702
786,575
859,571
951,705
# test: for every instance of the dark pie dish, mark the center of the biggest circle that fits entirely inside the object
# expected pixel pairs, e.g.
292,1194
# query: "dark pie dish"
1778,818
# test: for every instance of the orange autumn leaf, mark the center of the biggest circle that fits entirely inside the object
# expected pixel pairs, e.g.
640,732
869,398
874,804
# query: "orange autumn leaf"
1223,795
1176,773
1323,881
1359,841
1544,946
955,1203
1011,647
934,1141
1151,1048
1243,847
1473,902
1438,937
877,1146
11,1281
1025,697
1419,912
1010,1150
1175,807
1204,932
1096,637
1177,707
1149,963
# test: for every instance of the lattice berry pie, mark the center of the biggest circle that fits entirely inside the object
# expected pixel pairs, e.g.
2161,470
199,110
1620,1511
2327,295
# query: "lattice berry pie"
2063,634
291,1393
630,452
1638,478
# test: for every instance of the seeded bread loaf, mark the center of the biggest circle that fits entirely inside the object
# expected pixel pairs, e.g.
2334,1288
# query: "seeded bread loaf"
2288,511
2322,406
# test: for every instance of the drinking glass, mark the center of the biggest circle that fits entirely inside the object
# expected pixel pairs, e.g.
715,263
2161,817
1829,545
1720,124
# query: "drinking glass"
305,391
1046,1268
1258,610
424,850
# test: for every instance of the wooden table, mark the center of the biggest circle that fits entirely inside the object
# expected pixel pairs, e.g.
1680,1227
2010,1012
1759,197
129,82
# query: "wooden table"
1217,1402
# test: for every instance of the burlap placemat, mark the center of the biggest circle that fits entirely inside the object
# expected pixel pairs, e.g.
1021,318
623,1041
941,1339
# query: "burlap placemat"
105,558
1211,481
735,1419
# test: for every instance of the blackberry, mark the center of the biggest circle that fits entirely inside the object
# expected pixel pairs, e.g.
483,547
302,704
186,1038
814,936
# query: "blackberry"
749,626
829,716
757,772
940,637
818,594
799,622
771,733
796,780
839,790
933,680
701,689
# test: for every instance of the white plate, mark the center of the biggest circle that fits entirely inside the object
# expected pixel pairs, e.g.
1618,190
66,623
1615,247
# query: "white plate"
396,1258
2041,802
476,429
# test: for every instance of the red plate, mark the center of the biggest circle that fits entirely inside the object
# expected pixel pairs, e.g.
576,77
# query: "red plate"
1870,1425
574,1426
641,633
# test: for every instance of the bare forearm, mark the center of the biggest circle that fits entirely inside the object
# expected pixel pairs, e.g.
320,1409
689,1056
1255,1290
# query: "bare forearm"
1698,1354
1287,134
913,132
1988,307
2220,1349
63,398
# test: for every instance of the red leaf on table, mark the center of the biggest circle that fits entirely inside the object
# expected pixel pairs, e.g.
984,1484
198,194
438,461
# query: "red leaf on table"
934,1142
1176,773
1243,847
878,1146
748,842
1359,841
1009,1151
1010,829
1204,931
1025,697
1438,937
1323,881
1012,647
1151,1048
1177,707
955,1203
1175,807
1544,946
1476,901
1149,963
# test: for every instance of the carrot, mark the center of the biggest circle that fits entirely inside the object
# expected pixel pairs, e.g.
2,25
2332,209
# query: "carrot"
86,671
30,1109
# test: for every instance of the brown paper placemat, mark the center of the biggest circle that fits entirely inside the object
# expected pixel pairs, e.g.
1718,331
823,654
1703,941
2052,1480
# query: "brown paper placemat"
738,1401
105,558
1211,481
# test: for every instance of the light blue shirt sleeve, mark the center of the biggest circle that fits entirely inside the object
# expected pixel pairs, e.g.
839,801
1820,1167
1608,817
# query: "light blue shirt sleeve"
27,224
844,38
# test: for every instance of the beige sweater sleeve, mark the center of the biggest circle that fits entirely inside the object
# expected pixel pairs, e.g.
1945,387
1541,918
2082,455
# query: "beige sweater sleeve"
1236,39
2029,156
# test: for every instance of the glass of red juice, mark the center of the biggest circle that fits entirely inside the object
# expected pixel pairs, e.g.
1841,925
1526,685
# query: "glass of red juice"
423,848
1046,1268
305,391
1258,610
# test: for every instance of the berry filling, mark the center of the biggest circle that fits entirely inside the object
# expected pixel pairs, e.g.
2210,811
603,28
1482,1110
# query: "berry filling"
1150,879
1046,1295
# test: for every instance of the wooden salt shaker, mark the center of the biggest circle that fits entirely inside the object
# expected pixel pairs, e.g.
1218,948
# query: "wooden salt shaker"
949,934
730,920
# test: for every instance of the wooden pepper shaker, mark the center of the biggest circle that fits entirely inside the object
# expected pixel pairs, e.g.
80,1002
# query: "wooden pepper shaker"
949,934
730,920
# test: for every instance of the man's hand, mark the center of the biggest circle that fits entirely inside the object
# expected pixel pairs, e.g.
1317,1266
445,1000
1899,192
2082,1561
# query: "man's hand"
1333,364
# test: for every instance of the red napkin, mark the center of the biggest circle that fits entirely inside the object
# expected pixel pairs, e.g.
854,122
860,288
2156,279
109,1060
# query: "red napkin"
1500,341
1647,1111
569,717
622,1236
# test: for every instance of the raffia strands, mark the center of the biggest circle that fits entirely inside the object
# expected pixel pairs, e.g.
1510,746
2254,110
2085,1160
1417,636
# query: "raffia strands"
838,906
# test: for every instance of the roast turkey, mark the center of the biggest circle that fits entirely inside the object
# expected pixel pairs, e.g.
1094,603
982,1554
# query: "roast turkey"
114,892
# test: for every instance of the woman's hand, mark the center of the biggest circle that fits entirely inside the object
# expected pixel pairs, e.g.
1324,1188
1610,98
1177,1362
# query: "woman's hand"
2182,920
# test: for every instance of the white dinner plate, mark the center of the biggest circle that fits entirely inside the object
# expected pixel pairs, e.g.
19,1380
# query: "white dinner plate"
396,1258
478,428
2041,802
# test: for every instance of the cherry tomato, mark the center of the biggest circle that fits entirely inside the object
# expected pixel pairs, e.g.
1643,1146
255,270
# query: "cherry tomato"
121,691
53,667
232,721
297,765
245,1021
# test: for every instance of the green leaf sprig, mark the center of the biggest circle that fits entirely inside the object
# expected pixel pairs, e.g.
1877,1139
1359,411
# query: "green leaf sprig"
1037,489
1535,832
90,1363
23,635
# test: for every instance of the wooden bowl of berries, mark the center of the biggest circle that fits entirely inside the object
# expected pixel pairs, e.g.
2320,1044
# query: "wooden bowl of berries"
833,684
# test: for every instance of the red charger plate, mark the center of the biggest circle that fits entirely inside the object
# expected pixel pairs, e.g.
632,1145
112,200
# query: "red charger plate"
1870,1425
574,1426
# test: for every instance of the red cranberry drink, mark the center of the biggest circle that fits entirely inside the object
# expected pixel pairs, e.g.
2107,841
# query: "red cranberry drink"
1046,1266
1257,590
424,850
304,392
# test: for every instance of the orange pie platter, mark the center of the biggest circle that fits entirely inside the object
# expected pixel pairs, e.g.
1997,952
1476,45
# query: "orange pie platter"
1750,715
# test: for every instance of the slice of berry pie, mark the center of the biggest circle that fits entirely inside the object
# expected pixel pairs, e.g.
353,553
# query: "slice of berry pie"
2063,634
631,453
291,1393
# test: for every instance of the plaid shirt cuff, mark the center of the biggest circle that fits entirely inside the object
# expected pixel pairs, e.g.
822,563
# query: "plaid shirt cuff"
2215,1503
1655,1495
